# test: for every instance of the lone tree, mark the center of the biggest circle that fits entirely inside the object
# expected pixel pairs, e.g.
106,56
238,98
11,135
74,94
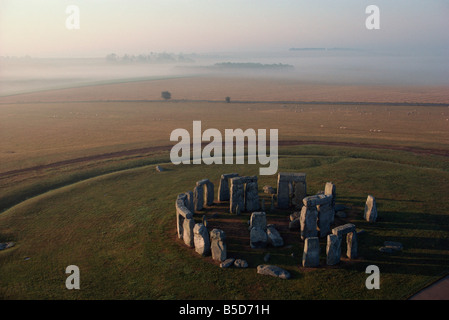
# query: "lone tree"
166,95
228,99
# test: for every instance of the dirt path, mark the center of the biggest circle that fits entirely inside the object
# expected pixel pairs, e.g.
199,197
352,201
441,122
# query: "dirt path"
132,152
436,291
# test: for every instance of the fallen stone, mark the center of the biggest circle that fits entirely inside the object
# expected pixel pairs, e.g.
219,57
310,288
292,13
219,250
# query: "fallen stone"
227,263
274,271
159,169
340,207
240,263
394,245
6,245
274,237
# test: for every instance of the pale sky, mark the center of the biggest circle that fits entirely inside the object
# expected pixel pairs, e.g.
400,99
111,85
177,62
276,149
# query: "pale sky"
38,27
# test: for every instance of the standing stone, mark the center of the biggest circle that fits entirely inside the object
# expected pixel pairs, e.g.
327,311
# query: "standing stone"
329,189
370,214
274,237
198,197
252,197
326,215
223,189
237,210
237,195
188,235
272,202
311,255
291,185
258,220
308,220
218,244
189,202
209,193
351,240
201,239
333,249
258,238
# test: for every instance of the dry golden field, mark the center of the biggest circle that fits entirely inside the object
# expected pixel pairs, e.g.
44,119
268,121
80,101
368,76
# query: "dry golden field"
44,127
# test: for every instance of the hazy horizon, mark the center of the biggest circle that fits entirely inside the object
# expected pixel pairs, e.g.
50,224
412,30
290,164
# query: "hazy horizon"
38,28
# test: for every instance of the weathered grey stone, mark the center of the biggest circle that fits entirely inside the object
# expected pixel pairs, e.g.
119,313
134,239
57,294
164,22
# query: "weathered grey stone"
370,214
237,195
351,240
274,237
290,185
201,239
188,236
295,215
198,196
341,214
182,212
333,249
159,169
308,220
218,245
330,189
6,245
189,201
396,246
274,271
311,255
227,263
240,263
268,189
340,207
252,197
258,238
295,224
258,220
209,193
344,229
325,216
223,189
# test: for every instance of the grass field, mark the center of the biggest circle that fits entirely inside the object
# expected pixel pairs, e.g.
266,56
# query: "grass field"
114,216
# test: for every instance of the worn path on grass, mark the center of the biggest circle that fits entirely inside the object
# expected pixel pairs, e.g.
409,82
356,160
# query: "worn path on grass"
132,152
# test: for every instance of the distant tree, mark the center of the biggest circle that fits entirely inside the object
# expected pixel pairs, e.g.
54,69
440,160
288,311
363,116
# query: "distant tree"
166,95
228,99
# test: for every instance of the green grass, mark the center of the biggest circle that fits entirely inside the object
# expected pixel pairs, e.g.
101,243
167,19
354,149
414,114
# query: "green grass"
120,229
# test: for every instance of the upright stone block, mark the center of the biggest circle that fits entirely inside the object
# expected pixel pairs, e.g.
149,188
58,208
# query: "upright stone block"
311,255
237,195
201,239
223,189
258,238
252,197
274,237
308,221
325,215
333,249
209,193
188,235
258,220
198,197
291,186
351,240
329,189
218,244
370,214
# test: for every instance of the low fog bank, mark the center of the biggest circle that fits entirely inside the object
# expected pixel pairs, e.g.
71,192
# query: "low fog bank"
314,65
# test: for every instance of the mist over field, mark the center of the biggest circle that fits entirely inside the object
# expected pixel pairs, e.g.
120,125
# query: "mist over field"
321,66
